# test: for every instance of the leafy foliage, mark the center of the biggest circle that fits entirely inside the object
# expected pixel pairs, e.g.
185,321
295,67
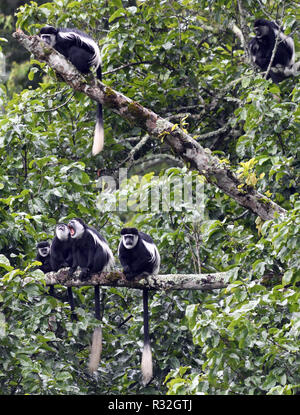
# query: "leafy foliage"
183,60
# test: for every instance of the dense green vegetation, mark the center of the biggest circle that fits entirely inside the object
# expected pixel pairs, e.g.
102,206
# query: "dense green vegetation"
183,60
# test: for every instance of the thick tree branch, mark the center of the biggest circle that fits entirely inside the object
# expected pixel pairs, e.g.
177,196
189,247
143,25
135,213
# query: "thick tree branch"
204,282
182,144
159,282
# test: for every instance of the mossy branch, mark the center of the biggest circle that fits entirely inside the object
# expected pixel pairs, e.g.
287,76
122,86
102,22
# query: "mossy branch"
203,282
182,144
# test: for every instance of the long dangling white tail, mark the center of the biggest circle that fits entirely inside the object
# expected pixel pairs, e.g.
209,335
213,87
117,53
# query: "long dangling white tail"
96,350
146,366
99,132
147,369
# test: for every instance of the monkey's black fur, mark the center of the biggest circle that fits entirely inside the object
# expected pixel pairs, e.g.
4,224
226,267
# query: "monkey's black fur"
261,48
61,256
43,255
61,248
139,257
91,253
90,250
83,52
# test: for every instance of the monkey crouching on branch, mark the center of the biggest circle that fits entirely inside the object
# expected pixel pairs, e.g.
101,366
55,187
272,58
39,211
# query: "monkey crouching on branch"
61,248
139,257
90,250
92,254
83,52
262,46
61,257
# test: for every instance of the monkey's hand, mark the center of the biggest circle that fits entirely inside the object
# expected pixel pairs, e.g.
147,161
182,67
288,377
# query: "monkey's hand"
130,275
135,275
85,272
278,68
71,271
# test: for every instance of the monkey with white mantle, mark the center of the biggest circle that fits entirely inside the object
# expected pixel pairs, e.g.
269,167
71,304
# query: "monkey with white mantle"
140,258
83,52
91,253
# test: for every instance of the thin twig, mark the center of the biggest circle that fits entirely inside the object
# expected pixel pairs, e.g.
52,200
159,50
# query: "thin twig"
60,106
276,44
127,66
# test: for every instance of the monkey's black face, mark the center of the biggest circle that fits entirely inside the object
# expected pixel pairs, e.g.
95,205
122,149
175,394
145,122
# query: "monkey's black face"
43,248
129,240
49,39
44,251
76,228
261,30
48,35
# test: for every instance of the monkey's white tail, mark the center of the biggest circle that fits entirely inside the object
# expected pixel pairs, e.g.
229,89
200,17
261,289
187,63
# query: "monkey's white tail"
147,369
96,350
99,132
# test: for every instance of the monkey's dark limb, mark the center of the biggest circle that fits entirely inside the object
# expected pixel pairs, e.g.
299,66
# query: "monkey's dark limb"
72,304
97,335
146,316
146,365
51,290
97,302
102,298
61,297
125,321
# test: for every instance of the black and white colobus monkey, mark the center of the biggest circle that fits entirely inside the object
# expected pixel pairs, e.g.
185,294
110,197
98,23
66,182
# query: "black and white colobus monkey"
261,48
84,53
91,253
139,257
61,256
90,250
43,256
61,249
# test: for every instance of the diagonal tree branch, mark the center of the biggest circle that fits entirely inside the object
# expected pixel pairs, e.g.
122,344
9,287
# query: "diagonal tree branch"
181,143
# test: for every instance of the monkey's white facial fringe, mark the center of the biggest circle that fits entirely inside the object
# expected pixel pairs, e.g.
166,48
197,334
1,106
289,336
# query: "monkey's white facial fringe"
44,251
62,233
98,139
96,350
130,243
49,39
146,365
76,229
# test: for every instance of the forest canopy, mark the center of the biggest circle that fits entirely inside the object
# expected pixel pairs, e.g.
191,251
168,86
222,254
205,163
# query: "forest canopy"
213,178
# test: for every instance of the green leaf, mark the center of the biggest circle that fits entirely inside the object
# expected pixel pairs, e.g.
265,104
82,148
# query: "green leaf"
118,13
